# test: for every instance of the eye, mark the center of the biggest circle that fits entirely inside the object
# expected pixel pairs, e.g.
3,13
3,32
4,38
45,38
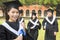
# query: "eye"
13,11
17,12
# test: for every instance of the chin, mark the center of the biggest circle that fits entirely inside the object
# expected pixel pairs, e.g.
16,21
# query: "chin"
14,19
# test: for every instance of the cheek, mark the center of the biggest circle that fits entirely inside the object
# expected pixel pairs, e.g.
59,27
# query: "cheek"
17,14
10,15
33,16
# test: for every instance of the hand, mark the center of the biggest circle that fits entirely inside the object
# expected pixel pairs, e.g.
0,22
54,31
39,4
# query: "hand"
55,33
44,27
19,38
31,28
23,24
37,24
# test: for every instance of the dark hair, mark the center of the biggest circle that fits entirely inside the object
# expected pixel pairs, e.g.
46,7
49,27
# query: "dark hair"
34,15
20,11
7,9
50,10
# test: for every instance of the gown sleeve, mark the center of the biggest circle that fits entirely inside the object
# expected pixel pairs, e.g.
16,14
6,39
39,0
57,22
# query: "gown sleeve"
39,26
56,26
3,33
28,26
43,23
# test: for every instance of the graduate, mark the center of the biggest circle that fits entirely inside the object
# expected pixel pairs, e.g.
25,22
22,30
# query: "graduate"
33,26
50,25
22,24
21,19
10,29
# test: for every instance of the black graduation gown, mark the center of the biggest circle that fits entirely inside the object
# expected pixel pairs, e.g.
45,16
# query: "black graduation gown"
50,29
6,34
33,32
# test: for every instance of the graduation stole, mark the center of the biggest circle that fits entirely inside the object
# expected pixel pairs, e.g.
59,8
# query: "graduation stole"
51,22
18,33
21,20
10,28
21,27
35,23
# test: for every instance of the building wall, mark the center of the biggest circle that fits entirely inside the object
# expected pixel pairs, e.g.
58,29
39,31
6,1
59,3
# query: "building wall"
35,8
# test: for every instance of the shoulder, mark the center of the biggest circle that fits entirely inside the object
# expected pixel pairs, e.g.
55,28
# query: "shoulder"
45,19
2,27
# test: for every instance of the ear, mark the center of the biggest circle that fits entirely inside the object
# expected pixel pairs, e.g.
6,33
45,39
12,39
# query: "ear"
8,13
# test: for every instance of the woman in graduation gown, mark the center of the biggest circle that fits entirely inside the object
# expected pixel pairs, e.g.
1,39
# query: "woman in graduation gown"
10,30
33,26
50,25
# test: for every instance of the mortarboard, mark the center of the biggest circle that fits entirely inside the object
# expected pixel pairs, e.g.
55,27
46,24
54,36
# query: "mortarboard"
14,4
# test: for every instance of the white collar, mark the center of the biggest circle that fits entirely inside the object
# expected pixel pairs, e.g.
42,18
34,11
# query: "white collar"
10,28
34,22
51,22
21,20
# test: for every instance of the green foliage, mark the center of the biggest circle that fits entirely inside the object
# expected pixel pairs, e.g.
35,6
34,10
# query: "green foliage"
39,2
22,1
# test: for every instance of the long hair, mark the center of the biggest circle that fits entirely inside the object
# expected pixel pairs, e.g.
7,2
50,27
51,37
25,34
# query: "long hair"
34,15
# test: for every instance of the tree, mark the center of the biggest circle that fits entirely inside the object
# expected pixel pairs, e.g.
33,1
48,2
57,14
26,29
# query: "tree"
40,2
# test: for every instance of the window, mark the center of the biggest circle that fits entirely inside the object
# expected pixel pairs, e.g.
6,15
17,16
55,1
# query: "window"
27,12
39,12
33,11
45,13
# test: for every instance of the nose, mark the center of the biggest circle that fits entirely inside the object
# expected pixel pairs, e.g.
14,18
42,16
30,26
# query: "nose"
15,13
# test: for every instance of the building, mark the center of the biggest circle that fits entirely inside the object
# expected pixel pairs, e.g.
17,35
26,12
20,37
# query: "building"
39,9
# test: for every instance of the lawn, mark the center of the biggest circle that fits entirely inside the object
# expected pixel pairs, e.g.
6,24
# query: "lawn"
41,32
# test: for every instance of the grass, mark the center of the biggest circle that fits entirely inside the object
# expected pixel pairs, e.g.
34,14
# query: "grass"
41,31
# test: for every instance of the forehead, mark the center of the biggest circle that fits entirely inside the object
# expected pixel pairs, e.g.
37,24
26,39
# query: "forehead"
49,12
14,9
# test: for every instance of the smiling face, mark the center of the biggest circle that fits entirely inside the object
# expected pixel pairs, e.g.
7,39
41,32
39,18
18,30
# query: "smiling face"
13,14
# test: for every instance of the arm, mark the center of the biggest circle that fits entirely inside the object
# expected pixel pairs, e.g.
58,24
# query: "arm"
43,24
39,26
2,33
56,26
28,27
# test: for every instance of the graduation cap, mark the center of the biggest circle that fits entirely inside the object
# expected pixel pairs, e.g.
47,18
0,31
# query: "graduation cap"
34,13
14,4
50,10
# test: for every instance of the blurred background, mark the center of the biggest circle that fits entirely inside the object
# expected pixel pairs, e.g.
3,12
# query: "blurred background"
38,6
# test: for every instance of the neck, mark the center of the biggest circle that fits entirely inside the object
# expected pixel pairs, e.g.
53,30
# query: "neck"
11,20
